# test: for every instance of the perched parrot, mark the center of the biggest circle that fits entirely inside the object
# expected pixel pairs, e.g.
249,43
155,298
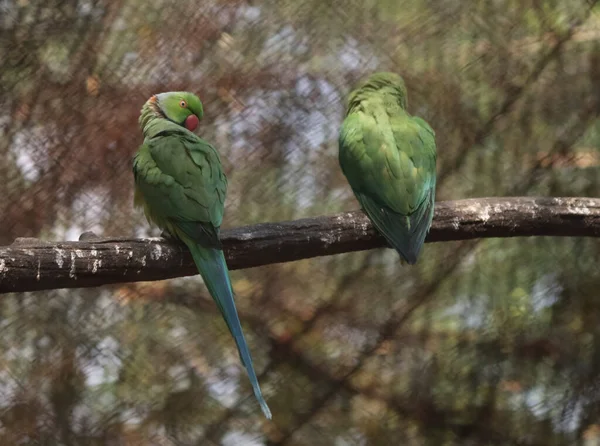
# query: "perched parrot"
388,157
179,181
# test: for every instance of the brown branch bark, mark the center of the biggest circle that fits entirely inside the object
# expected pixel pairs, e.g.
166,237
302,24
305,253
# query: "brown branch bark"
31,264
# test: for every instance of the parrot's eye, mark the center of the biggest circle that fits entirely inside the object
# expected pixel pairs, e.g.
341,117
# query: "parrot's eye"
183,104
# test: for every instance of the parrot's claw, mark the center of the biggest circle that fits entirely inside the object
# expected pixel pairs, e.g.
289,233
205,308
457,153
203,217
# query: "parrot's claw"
167,236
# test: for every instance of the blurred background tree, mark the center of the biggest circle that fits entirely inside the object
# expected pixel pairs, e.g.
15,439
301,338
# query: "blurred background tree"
489,342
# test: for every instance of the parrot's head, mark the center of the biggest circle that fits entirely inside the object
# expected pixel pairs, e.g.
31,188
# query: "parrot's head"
180,107
383,83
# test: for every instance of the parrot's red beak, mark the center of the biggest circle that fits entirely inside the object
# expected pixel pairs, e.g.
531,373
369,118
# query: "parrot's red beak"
191,122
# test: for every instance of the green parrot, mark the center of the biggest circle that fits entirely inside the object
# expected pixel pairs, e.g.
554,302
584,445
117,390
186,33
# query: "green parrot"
180,184
388,157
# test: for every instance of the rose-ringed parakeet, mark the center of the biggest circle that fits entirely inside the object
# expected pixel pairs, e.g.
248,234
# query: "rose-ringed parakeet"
180,183
388,157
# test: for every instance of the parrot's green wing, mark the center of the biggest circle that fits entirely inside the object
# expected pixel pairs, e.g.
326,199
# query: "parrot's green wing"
389,162
183,184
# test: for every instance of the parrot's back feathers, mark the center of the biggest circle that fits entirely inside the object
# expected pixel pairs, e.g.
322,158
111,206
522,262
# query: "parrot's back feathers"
389,157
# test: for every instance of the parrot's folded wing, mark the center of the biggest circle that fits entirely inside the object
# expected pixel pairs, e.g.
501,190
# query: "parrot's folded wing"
184,186
390,165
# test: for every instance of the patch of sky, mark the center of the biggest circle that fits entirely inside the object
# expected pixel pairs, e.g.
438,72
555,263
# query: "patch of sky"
10,12
9,386
180,378
238,438
86,8
104,363
225,390
545,292
352,58
275,46
469,312
249,13
29,151
543,404
317,132
88,212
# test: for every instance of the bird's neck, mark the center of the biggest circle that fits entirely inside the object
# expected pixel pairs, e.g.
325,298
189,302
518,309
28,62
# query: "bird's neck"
367,99
153,120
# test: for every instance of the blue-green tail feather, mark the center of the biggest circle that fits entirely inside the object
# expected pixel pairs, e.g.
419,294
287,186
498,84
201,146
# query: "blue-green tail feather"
406,234
212,267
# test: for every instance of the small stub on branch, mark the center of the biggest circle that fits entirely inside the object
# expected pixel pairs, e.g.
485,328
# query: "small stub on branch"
87,236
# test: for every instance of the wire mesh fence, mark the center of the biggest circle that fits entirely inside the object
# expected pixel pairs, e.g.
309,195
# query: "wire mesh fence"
486,342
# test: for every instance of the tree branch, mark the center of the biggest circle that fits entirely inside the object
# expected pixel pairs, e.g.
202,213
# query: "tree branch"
31,264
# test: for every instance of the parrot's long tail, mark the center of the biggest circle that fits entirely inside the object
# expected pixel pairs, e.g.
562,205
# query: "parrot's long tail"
212,267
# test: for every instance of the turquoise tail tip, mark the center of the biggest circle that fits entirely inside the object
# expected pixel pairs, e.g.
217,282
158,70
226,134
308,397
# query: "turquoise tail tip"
265,409
259,397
